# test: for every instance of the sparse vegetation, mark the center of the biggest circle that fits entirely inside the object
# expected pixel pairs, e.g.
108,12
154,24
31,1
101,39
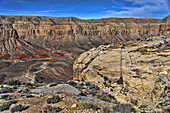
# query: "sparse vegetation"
29,86
13,82
56,96
99,96
18,108
85,105
7,105
50,109
54,99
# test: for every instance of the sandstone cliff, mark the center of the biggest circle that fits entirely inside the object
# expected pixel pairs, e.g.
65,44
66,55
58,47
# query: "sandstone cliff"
76,35
165,26
135,72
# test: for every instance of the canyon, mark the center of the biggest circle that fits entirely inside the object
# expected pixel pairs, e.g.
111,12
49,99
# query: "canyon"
76,35
53,64
61,40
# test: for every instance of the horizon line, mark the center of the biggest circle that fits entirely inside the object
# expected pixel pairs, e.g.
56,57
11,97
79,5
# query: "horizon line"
79,17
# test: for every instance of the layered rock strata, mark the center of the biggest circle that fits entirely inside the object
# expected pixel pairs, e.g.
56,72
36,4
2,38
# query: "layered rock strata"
28,62
135,72
73,34
38,47
165,28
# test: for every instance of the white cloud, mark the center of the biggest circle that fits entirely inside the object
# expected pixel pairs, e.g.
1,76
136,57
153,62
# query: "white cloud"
140,8
52,11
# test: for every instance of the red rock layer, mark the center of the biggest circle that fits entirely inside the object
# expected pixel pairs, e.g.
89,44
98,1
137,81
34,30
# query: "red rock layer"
61,40
73,34
12,47
15,48
31,63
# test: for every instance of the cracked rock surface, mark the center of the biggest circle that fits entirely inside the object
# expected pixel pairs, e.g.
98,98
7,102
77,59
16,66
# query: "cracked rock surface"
135,72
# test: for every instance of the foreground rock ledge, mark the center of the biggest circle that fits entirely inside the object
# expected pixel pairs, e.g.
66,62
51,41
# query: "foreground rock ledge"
135,72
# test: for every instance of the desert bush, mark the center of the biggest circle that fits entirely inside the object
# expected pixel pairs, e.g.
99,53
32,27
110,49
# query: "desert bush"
7,105
14,82
85,105
50,109
54,99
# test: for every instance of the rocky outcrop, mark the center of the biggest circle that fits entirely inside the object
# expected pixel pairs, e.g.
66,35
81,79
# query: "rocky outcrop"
165,27
59,97
135,72
76,35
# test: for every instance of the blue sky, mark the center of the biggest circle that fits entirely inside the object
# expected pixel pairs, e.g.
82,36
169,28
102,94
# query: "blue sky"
87,9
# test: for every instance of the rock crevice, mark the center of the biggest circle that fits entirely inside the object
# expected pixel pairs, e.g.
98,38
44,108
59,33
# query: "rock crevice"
134,72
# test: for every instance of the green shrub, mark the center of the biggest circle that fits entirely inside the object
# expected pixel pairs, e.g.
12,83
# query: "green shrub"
6,105
56,96
85,105
99,96
54,99
14,82
15,87
50,109
29,86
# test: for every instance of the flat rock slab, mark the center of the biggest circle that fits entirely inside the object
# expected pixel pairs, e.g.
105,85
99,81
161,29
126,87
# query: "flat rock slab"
60,88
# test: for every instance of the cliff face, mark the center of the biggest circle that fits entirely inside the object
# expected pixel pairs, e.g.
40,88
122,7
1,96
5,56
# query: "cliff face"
16,48
134,72
165,27
61,40
28,62
73,34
